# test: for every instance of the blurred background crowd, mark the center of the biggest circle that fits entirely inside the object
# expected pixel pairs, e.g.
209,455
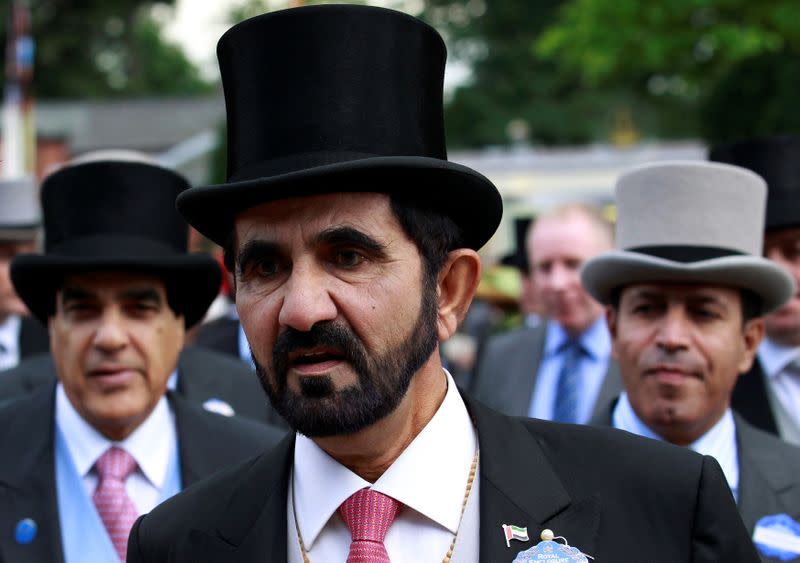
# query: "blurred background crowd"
550,99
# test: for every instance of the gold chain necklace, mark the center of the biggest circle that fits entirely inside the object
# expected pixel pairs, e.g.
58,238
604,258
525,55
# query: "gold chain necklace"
447,557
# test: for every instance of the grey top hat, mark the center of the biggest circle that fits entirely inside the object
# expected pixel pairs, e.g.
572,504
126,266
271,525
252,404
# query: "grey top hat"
20,217
689,222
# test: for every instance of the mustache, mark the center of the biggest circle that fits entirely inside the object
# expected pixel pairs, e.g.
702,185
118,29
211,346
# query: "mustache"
329,333
673,361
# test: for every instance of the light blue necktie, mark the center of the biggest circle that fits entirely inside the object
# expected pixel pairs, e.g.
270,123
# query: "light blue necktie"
568,386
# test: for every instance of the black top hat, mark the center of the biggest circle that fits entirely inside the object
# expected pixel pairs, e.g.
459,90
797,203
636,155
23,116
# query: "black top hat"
115,215
777,160
519,257
338,98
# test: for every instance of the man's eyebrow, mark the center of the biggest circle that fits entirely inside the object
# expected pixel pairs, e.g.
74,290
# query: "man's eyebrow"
704,299
350,236
70,293
253,250
142,294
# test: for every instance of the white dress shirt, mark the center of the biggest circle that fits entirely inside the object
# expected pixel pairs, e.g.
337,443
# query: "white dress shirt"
429,479
153,445
9,342
784,384
719,442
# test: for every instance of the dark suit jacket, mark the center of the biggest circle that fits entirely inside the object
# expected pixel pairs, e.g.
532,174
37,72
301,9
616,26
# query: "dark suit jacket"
202,375
33,338
769,473
206,443
506,377
750,399
617,497
221,335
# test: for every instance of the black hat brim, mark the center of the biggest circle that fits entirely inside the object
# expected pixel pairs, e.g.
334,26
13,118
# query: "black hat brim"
194,279
466,196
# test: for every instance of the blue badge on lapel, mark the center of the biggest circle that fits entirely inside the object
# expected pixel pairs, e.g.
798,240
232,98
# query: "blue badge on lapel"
778,536
552,551
25,532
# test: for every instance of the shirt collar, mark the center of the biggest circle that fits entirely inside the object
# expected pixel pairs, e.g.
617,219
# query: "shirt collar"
719,442
775,357
149,444
9,333
595,340
422,478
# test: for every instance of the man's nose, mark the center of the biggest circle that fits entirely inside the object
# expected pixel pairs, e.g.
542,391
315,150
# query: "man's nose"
306,300
673,330
111,333
561,277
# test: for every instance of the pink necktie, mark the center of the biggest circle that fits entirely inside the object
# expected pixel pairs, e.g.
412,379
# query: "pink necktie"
113,504
368,514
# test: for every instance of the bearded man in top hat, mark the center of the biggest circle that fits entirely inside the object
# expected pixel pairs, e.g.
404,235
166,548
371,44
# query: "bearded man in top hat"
687,292
768,395
83,456
21,336
354,246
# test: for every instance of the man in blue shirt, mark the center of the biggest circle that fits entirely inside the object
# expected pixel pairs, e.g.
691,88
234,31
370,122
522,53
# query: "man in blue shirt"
561,369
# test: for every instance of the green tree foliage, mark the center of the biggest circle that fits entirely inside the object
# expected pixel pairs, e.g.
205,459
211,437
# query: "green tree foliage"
511,87
677,52
104,48
756,97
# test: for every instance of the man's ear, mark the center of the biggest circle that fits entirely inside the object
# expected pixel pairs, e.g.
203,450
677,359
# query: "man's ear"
752,334
457,282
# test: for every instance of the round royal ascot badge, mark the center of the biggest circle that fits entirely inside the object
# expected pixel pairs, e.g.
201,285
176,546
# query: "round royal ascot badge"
553,552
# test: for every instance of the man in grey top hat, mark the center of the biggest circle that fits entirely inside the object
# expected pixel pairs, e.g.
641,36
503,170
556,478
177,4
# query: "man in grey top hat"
687,292
20,335
768,395
354,245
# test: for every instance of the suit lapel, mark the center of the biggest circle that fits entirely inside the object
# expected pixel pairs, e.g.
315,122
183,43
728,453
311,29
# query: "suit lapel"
27,486
519,486
767,484
253,526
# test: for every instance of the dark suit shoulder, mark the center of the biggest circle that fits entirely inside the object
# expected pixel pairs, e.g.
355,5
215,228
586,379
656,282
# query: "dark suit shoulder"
755,441
197,506
222,500
221,335
233,429
30,374
511,340
508,366
609,451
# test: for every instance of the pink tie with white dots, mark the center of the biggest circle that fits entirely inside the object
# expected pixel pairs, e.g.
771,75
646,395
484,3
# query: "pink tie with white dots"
368,514
113,504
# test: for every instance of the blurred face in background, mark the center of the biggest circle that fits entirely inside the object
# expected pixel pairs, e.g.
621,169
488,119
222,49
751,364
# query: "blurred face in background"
558,245
782,246
10,303
115,341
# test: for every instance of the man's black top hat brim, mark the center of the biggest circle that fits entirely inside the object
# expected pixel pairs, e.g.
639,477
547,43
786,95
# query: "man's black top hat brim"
461,193
192,279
